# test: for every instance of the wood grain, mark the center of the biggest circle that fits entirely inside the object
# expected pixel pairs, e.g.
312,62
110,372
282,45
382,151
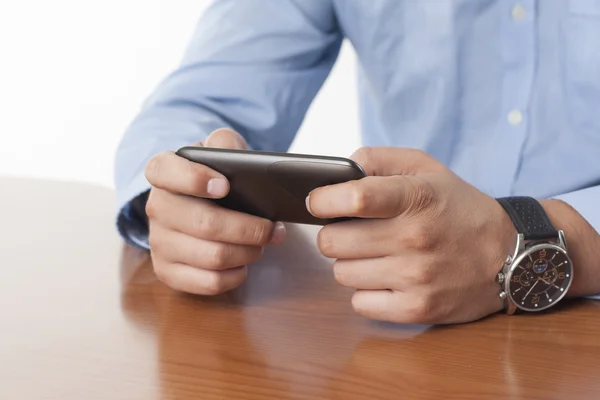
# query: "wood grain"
83,317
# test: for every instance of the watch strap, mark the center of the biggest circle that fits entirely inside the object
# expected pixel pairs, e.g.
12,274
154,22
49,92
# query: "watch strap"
529,217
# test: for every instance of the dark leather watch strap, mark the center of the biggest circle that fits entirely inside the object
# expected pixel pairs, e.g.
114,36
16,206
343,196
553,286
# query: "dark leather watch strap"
529,217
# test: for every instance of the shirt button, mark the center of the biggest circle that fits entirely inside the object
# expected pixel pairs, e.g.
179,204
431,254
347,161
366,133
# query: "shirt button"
518,12
515,117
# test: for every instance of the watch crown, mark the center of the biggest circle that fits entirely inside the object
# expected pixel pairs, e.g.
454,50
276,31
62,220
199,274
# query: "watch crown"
500,277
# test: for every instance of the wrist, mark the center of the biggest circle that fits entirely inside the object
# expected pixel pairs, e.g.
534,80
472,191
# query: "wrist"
504,239
506,233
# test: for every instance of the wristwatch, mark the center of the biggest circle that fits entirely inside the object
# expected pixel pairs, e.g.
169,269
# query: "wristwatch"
539,273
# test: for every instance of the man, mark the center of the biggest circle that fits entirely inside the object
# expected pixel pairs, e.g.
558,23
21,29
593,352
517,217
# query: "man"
471,100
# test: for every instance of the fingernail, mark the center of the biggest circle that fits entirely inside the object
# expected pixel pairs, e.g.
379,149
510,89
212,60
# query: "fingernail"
307,201
278,233
217,187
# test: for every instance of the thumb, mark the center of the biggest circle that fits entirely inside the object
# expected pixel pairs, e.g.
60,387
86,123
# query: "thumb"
225,139
388,161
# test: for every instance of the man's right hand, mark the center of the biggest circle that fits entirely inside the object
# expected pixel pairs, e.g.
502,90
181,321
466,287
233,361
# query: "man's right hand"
197,246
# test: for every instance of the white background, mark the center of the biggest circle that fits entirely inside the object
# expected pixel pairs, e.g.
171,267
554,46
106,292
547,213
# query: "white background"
74,73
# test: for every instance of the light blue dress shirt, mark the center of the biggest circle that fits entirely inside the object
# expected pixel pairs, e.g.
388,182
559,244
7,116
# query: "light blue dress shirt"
505,93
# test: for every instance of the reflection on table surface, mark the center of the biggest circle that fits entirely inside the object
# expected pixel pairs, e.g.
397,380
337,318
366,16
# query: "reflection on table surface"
84,317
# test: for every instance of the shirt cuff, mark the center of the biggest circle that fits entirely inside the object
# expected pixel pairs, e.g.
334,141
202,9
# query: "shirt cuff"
586,202
131,223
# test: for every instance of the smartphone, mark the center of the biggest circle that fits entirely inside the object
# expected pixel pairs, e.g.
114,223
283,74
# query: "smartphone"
274,185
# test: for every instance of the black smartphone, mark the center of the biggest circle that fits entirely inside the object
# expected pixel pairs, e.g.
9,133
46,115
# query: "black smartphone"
274,185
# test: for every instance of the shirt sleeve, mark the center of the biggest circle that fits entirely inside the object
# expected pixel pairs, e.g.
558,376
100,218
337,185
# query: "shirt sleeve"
586,202
253,66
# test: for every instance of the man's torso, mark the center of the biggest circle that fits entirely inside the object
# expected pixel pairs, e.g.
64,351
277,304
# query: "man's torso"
505,93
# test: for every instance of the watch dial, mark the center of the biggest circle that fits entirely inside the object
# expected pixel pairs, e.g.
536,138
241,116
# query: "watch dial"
540,279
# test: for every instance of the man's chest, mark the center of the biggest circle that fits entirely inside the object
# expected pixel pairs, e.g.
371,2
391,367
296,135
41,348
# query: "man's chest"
483,55
484,85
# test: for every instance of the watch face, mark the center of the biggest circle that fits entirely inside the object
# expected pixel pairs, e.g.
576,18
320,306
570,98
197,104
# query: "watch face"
540,278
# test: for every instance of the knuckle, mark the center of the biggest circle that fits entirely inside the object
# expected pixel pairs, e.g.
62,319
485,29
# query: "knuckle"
325,241
213,283
419,153
361,198
155,238
152,206
423,195
221,254
205,223
363,155
226,138
423,275
356,304
154,167
154,242
222,131
421,238
427,159
426,275
161,270
421,310
198,179
252,254
386,310
340,273
259,233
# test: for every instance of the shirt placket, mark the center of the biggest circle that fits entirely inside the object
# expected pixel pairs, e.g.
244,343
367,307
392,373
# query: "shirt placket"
518,56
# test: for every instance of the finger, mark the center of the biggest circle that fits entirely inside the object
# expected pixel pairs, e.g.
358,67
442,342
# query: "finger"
372,273
370,197
358,239
225,138
170,172
179,248
394,306
387,161
402,273
203,219
185,278
378,238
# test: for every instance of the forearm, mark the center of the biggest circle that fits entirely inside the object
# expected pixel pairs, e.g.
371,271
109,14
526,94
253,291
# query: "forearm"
584,246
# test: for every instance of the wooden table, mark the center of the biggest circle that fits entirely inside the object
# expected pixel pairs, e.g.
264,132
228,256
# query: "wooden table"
84,318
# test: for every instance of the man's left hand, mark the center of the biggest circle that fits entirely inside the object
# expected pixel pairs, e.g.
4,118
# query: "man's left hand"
426,246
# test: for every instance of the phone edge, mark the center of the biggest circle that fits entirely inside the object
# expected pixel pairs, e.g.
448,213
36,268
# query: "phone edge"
279,155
